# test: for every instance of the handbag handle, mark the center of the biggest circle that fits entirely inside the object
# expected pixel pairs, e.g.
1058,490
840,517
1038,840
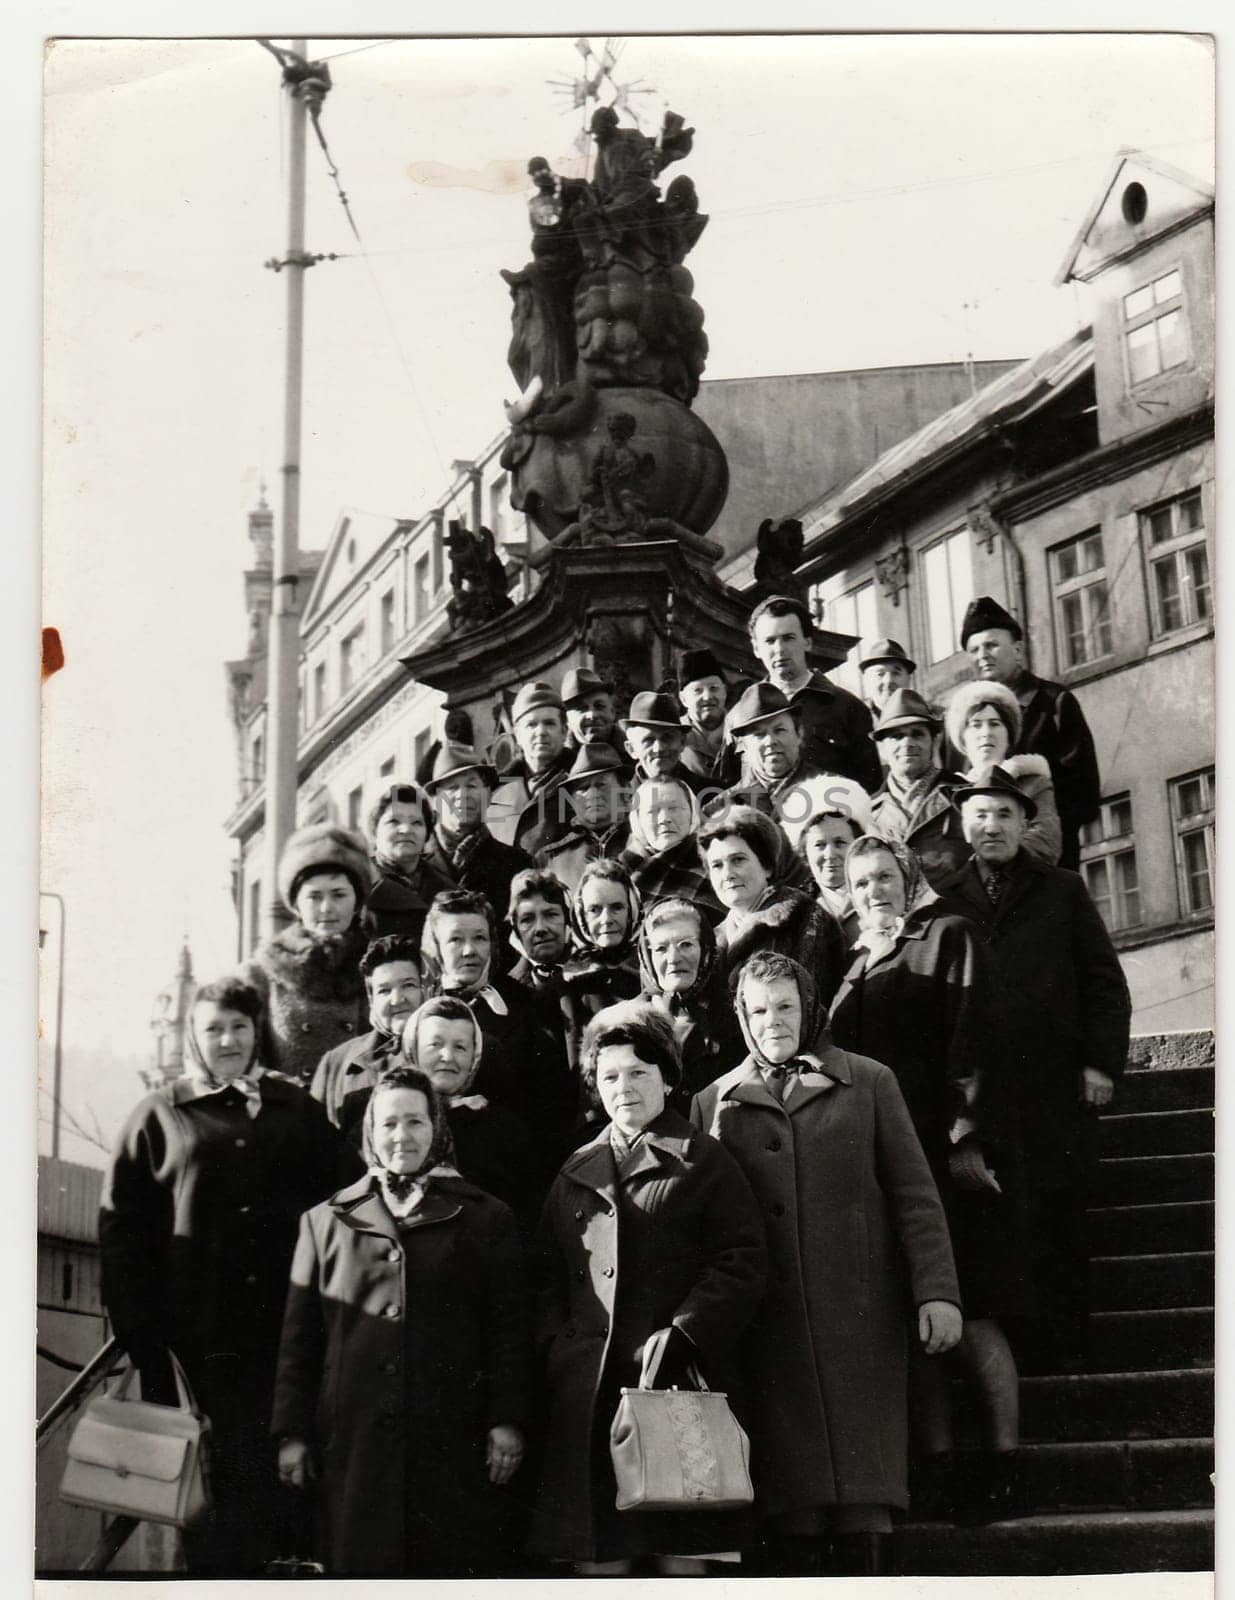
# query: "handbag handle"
183,1391
653,1356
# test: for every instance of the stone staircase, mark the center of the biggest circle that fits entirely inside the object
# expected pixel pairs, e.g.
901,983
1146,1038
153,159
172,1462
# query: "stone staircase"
1117,1463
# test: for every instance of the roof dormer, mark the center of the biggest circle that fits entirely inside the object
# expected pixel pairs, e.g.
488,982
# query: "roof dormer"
1142,201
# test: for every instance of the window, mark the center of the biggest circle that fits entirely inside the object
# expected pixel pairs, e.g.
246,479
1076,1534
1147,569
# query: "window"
439,551
351,659
319,691
388,621
1192,812
1154,327
387,770
420,749
257,759
355,808
1173,538
497,507
947,571
255,915
1108,864
1082,605
420,589
851,613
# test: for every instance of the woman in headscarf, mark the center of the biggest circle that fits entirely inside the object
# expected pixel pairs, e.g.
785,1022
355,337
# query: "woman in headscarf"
922,996
821,819
857,1237
308,975
748,858
197,1227
662,855
680,973
649,1229
983,721
403,1368
406,873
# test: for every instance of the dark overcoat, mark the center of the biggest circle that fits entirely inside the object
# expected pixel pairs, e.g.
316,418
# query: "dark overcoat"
795,925
481,863
836,731
568,857
403,1344
349,1067
398,904
530,816
678,1242
857,1239
678,872
1067,1005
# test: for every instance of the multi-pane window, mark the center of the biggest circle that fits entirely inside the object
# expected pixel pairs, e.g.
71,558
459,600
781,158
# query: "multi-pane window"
355,808
853,612
1173,537
420,749
1154,327
1082,604
351,659
257,759
319,691
387,770
255,915
388,621
420,588
1192,813
1108,864
947,575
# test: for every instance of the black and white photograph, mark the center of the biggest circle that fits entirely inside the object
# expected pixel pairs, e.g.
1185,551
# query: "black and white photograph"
627,883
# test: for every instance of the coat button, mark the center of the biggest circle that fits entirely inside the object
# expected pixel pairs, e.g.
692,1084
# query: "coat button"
393,1255
251,1278
774,1144
240,1143
578,1216
391,1311
608,1272
244,1210
778,1210
604,1330
569,1332
347,1027
579,1274
306,1027
391,1368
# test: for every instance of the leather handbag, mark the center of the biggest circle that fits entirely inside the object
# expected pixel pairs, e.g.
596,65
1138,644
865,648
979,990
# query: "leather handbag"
134,1458
677,1449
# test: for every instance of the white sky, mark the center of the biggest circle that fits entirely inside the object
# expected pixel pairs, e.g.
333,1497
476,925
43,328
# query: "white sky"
863,192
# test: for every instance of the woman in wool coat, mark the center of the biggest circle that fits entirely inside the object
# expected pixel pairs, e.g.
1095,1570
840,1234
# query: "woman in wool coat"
822,817
402,1379
197,1227
308,975
407,872
649,1227
984,723
923,996
859,1264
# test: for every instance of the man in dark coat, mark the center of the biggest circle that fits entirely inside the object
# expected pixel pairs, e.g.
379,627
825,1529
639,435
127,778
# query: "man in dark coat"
1052,722
591,715
598,787
656,739
461,786
835,724
885,666
526,809
767,729
1068,1011
914,803
704,693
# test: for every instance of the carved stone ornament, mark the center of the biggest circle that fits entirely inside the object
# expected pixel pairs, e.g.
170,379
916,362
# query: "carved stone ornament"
892,571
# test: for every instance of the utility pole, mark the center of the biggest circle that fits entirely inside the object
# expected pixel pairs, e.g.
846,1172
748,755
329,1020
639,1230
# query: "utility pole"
307,84
57,1079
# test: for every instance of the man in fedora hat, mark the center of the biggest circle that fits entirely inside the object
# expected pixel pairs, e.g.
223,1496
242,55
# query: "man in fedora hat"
704,693
1052,722
1068,1012
885,666
655,740
526,809
590,712
460,785
598,787
913,805
835,724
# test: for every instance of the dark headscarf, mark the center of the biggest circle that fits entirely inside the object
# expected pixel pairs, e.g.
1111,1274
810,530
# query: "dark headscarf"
918,892
439,1160
814,1033
706,978
586,952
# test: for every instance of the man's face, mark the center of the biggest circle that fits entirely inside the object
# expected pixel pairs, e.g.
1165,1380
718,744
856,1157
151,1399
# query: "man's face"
656,750
703,700
463,939
882,680
772,748
463,801
540,735
597,800
664,814
908,751
395,990
591,717
994,827
541,927
780,644
995,654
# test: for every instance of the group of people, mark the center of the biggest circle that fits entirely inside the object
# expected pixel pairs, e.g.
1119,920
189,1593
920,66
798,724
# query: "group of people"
762,1031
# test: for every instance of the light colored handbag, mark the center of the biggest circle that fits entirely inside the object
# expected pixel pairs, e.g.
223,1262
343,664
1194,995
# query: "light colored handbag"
138,1459
677,1449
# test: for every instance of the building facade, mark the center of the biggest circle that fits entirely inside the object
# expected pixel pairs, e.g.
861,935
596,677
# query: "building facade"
1078,490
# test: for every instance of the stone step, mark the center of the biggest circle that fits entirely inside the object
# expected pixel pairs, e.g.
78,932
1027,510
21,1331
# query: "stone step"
1137,1341
1073,1542
1113,1474
1145,1180
1132,1230
1157,1133
1168,1052
1152,1282
1179,1089
1174,1403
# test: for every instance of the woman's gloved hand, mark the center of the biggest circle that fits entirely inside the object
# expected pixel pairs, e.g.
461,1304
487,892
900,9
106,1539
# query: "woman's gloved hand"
680,1354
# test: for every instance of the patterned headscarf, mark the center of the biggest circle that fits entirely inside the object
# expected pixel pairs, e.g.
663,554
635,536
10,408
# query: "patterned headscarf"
403,1192
640,839
584,945
452,1010
234,995
768,965
918,892
705,979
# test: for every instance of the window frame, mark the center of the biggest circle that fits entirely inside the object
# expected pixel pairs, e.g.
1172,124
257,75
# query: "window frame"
1107,849
922,557
387,620
351,659
1175,550
321,689
1062,589
1154,313
1186,825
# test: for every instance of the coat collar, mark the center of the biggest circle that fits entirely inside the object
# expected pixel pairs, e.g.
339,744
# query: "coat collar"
360,1206
665,1145
745,1085
967,883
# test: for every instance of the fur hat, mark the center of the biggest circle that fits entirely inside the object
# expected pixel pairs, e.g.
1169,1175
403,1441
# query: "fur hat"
698,664
981,692
322,847
984,613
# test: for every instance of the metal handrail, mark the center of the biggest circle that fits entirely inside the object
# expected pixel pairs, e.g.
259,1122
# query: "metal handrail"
100,1366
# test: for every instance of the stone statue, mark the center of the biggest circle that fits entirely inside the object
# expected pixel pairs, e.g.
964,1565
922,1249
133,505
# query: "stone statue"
614,507
477,578
779,546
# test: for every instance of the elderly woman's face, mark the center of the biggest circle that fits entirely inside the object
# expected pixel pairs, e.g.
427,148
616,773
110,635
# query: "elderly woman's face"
401,835
676,952
736,873
827,845
985,738
227,1039
402,1129
464,942
631,1090
445,1049
606,912
774,1016
664,814
326,904
877,888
